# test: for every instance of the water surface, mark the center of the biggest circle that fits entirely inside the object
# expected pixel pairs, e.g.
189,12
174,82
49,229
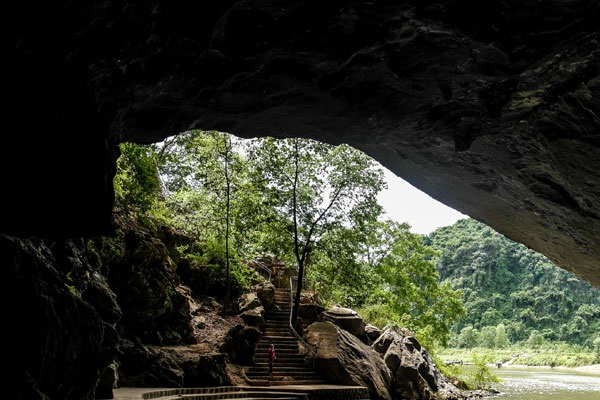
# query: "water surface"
523,383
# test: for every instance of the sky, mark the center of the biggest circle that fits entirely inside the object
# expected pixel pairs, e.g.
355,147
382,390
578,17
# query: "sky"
405,203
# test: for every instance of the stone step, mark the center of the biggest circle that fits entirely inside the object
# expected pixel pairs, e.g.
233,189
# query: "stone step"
246,394
287,367
328,392
277,372
279,334
261,358
280,319
278,324
278,375
278,314
280,354
299,382
284,328
296,360
266,338
262,346
278,346
277,321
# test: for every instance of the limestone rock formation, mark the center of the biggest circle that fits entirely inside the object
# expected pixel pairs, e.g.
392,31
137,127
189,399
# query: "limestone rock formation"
342,358
172,366
346,319
396,366
414,374
240,344
491,108
62,333
93,314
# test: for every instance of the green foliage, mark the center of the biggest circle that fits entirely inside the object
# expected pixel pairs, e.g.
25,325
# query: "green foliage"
389,278
303,201
501,338
596,347
409,284
504,283
481,376
136,182
469,337
315,191
555,354
535,340
206,272
381,315
311,189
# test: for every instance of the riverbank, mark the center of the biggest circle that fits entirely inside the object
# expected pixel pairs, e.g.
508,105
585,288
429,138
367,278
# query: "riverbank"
590,368
594,368
548,357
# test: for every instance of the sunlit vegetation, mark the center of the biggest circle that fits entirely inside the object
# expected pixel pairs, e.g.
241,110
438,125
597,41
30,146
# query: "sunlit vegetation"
311,205
548,356
314,206
513,295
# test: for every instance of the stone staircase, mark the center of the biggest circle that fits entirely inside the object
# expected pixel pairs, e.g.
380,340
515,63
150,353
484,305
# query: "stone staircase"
290,366
293,377
307,392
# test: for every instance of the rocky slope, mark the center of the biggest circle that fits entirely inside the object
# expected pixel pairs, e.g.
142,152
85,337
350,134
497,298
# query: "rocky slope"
129,311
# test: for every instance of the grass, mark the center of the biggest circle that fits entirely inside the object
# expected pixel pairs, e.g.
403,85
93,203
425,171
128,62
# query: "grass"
529,357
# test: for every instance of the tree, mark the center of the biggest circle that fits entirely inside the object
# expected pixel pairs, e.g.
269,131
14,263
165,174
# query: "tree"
505,282
535,340
203,173
501,340
481,376
409,284
488,337
314,203
136,181
316,188
469,337
596,347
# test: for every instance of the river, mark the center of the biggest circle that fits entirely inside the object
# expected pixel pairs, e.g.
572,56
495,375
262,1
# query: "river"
524,383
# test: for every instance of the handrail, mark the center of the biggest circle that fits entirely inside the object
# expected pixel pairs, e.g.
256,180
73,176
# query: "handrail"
306,283
293,330
264,271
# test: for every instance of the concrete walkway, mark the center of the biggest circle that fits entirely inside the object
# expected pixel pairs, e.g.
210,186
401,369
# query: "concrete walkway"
131,393
325,391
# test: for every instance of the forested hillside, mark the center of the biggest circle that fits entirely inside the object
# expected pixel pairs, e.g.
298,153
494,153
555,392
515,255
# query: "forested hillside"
512,294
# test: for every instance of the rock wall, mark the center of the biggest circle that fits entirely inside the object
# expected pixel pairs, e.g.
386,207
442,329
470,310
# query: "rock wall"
492,109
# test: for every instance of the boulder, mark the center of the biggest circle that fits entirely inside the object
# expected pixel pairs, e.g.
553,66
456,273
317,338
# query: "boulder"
240,344
343,359
414,374
255,317
346,319
266,294
248,301
372,332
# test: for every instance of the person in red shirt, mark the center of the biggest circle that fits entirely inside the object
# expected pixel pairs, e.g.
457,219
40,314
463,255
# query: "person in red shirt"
272,357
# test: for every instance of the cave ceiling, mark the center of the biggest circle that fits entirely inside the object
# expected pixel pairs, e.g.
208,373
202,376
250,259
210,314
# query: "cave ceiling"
491,107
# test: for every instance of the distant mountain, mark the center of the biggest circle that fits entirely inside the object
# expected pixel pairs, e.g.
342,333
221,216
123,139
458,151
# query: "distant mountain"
506,283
